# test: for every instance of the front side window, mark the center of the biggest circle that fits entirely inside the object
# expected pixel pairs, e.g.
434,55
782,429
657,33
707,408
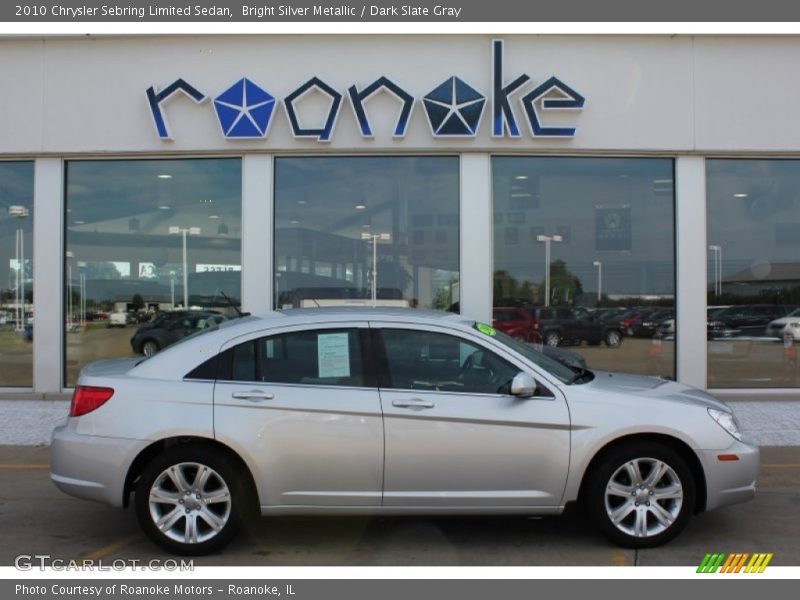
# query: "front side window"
421,360
146,238
348,228
753,271
594,234
315,357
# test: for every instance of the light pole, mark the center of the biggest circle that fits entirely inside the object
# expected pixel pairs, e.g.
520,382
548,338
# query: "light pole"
172,290
82,287
20,212
184,231
547,239
717,250
384,237
599,265
69,255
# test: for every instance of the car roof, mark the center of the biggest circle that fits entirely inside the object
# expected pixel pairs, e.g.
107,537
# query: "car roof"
192,351
340,313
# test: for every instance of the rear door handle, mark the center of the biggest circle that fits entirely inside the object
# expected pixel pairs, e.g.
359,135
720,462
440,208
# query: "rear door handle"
413,403
252,395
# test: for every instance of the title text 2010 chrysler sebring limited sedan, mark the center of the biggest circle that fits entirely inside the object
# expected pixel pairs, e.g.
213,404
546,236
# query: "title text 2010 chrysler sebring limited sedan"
379,411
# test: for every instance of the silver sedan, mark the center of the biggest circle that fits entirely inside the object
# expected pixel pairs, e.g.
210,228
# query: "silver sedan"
389,412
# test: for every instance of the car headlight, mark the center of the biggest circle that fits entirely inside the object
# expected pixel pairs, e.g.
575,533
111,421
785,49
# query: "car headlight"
727,421
795,324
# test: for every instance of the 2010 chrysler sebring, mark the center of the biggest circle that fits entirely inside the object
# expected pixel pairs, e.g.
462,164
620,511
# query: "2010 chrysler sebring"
378,411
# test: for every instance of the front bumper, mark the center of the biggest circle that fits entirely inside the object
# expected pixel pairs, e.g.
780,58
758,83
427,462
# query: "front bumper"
91,467
730,482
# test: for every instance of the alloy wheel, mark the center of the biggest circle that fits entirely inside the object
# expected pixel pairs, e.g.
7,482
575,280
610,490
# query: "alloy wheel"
190,503
643,497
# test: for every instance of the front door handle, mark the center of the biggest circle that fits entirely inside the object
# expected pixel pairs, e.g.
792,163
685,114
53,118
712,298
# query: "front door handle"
252,395
413,403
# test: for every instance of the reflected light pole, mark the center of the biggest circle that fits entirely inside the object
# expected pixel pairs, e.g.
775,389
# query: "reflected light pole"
184,231
172,290
20,212
69,255
375,237
717,250
547,239
599,265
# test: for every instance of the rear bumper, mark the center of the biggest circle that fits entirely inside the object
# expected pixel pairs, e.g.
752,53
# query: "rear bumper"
91,467
730,482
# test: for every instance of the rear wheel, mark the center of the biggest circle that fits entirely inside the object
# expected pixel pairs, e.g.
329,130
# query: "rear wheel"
641,495
150,347
190,500
613,338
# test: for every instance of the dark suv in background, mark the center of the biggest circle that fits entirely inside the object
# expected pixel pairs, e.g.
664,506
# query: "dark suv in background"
169,327
745,319
564,325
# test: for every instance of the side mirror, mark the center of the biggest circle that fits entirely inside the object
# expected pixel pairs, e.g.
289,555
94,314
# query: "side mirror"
523,385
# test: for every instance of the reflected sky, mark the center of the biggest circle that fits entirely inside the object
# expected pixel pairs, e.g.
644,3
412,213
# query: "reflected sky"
754,216
616,211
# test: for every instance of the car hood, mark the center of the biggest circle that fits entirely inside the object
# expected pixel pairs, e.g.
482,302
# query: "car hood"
652,388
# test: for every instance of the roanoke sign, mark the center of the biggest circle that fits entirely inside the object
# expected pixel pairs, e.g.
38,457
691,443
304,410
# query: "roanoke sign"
453,109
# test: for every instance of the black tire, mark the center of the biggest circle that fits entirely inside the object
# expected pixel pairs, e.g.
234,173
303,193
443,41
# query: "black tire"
612,469
613,338
150,347
552,338
231,512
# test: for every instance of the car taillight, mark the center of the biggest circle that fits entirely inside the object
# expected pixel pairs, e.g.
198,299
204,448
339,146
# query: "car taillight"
87,398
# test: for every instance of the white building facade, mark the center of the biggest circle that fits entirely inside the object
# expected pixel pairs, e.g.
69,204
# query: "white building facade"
659,174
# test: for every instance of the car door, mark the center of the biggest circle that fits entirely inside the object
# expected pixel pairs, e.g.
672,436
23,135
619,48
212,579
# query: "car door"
303,406
454,436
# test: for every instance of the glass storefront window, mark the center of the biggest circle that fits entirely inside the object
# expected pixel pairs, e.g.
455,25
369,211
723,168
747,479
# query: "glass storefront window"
146,242
339,220
16,269
753,273
584,258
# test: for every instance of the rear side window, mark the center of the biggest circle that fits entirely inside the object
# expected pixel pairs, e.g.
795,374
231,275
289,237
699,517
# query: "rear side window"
326,357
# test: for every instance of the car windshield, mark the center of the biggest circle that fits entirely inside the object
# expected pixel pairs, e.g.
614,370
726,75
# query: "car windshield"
555,368
794,313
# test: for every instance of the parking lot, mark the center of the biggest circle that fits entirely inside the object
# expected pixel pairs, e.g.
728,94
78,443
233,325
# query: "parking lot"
36,518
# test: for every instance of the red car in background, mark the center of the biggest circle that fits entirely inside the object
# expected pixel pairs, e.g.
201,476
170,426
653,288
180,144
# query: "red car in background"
518,323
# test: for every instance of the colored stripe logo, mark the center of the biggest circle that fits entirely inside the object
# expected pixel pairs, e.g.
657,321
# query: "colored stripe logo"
738,562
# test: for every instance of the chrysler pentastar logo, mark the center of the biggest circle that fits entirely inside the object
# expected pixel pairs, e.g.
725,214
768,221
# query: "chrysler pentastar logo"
244,110
454,109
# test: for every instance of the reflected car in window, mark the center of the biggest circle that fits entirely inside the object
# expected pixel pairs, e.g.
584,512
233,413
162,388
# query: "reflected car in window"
746,320
169,327
788,325
389,412
564,325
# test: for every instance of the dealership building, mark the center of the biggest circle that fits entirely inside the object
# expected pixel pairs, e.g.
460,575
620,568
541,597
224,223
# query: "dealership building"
457,172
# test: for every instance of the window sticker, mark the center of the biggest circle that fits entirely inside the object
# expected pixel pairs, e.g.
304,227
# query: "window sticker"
333,355
484,328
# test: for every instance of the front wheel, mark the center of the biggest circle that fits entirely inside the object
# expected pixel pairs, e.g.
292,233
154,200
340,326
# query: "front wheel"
641,495
189,500
552,338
